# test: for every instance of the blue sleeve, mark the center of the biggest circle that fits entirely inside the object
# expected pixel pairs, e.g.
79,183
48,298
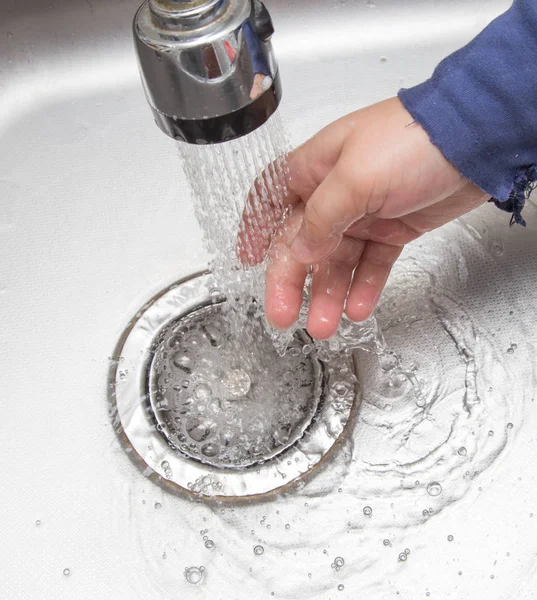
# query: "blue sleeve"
254,46
480,108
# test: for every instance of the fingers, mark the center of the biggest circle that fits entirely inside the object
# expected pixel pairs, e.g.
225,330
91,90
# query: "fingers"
263,212
260,218
330,287
285,276
370,278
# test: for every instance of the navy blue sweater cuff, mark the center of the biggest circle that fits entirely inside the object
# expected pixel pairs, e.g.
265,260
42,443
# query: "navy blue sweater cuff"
479,107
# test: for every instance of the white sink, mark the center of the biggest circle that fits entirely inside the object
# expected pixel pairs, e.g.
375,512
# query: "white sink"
96,217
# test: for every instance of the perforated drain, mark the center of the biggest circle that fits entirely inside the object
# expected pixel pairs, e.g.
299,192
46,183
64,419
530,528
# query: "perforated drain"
211,419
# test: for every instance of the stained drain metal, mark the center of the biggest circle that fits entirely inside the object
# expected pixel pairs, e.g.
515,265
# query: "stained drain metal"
206,415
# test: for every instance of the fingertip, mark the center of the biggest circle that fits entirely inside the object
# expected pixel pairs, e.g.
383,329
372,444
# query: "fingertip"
360,311
282,307
324,317
280,319
321,328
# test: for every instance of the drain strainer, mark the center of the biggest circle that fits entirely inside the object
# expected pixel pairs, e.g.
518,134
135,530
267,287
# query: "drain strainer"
217,404
218,417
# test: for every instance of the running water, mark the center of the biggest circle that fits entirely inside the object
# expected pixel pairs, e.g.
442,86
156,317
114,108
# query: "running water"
221,177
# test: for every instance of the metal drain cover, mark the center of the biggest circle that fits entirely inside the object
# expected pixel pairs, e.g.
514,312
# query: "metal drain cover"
216,418
215,408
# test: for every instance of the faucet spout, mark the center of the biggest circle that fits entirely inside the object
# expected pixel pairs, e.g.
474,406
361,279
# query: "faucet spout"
207,67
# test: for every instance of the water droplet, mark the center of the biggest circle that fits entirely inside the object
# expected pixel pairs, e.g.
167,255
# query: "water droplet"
199,431
434,489
67,572
340,587
510,426
158,505
340,389
462,451
210,450
386,542
491,433
287,526
309,575
339,561
450,538
407,551
194,574
203,392
258,550
497,248
209,544
402,557
368,511
38,522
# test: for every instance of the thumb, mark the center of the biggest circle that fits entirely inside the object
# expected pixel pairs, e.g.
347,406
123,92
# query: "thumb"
330,211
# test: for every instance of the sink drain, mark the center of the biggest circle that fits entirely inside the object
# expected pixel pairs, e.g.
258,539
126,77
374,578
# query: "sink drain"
214,408
217,418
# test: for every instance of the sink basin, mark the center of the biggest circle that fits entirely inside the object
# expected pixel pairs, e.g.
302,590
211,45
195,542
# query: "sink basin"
96,218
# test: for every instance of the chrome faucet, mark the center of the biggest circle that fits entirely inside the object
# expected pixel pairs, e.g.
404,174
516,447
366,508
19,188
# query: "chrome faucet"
207,67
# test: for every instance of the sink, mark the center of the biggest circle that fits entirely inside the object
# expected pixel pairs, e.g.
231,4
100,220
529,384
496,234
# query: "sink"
96,218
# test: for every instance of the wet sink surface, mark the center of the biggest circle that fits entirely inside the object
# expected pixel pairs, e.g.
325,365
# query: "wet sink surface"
96,217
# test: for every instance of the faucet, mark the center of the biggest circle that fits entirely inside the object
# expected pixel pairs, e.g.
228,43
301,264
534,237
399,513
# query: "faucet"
207,67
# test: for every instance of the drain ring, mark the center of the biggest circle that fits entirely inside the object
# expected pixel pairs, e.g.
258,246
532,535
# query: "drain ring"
145,408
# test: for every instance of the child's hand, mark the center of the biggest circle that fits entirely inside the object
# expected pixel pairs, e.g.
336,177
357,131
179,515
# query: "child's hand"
363,187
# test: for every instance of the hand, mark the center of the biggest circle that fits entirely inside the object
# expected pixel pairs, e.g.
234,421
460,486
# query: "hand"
361,188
